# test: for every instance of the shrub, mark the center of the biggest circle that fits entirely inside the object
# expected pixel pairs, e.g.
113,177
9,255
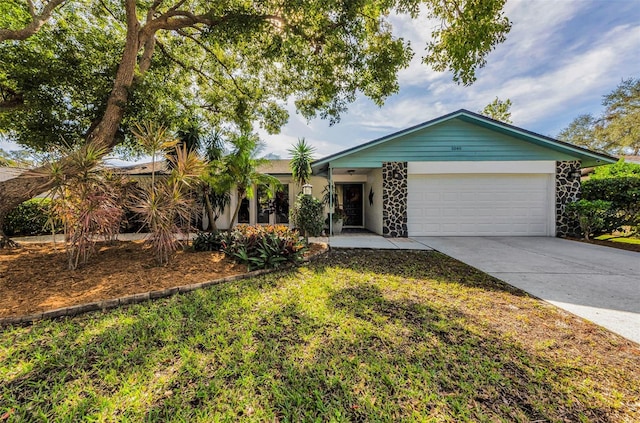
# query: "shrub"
624,195
263,247
87,199
590,215
619,169
208,241
307,215
33,217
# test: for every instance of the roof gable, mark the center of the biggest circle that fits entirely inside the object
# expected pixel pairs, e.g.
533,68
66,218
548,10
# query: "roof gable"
460,136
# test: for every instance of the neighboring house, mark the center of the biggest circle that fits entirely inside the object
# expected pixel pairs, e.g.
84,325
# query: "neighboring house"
462,174
7,173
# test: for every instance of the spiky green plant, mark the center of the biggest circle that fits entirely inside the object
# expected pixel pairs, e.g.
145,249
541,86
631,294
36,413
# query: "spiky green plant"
154,139
166,207
301,159
240,169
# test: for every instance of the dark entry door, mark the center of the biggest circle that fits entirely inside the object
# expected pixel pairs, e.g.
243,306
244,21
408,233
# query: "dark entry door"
352,204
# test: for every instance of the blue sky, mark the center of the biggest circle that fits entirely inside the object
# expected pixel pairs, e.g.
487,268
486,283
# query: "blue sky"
559,59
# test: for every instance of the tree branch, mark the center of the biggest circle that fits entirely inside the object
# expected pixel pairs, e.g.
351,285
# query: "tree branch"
34,26
10,99
215,56
183,65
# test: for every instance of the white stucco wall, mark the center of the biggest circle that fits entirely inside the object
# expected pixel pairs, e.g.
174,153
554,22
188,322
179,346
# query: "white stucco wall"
373,213
224,220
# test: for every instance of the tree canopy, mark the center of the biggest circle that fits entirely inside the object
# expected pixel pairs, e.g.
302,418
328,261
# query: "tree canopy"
498,110
230,63
617,129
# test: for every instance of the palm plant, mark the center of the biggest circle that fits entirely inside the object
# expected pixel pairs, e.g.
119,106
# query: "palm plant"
212,190
215,191
87,199
240,169
166,208
301,159
154,139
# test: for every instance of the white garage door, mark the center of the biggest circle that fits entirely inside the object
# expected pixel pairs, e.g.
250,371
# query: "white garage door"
480,205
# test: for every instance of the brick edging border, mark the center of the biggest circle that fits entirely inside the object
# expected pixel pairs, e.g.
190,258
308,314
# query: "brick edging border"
104,305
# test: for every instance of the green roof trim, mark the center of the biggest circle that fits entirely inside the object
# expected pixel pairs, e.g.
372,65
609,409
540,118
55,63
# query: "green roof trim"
588,157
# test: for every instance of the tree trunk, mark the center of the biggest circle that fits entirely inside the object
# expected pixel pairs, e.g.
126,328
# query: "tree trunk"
210,214
29,184
235,213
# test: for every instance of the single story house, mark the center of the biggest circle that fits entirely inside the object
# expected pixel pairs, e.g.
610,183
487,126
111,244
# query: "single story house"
462,174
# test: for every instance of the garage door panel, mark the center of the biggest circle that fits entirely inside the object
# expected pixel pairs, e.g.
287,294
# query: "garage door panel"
479,204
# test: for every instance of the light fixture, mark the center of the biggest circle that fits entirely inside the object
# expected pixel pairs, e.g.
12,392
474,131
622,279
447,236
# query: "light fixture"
307,189
351,172
576,174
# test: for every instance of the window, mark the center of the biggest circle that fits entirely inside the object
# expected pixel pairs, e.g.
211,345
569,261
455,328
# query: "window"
263,204
243,213
281,201
274,210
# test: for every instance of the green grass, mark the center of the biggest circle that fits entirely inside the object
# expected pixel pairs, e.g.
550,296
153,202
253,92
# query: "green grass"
622,240
366,336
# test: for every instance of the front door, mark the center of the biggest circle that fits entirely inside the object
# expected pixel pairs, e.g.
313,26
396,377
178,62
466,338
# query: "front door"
352,204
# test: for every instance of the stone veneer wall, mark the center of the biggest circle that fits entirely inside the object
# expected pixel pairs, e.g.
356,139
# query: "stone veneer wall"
567,191
394,199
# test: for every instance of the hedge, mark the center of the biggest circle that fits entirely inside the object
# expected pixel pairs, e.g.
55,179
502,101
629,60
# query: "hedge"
624,195
30,218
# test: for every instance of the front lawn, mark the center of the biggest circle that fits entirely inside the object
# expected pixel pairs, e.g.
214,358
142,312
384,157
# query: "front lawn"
624,243
355,336
624,240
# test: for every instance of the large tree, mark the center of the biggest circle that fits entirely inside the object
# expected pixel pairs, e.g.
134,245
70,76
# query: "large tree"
96,67
617,130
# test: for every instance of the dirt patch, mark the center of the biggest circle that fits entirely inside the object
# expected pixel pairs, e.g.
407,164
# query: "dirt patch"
618,245
35,278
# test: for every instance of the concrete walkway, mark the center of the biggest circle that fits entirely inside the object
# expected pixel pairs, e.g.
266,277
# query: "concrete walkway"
599,283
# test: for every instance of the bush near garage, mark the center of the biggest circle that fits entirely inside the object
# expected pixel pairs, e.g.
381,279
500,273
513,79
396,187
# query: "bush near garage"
624,195
591,215
263,247
33,217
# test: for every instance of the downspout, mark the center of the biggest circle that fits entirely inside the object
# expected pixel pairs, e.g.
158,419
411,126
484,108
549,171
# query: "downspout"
330,200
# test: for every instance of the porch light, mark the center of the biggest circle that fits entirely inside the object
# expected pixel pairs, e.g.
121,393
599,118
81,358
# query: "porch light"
307,189
576,174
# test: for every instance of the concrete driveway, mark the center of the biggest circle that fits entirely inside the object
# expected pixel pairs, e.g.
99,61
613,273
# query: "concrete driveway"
598,283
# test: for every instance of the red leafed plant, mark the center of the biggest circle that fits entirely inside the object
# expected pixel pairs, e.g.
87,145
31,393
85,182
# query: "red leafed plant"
166,206
87,198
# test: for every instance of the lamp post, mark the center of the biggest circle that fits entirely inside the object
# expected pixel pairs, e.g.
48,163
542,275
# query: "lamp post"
307,189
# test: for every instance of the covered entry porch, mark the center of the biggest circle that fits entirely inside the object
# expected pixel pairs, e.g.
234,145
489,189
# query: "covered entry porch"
356,194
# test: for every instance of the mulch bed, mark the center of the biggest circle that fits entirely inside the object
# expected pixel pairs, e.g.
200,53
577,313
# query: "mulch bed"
618,245
35,278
